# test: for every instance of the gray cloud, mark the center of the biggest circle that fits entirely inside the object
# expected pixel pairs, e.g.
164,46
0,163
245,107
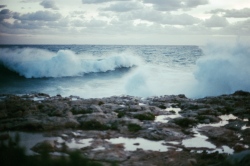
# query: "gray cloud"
171,5
5,14
88,24
239,28
216,21
50,4
39,15
100,1
194,3
165,5
160,17
29,1
241,13
123,7
2,6
95,1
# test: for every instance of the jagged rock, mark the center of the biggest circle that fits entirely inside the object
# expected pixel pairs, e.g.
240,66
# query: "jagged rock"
110,107
238,147
241,158
99,117
189,114
218,133
241,93
45,146
3,114
96,108
235,125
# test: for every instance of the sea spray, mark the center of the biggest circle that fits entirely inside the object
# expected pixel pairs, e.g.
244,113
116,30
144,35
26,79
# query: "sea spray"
137,84
223,70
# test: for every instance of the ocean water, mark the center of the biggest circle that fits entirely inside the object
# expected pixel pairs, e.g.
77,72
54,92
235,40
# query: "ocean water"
92,71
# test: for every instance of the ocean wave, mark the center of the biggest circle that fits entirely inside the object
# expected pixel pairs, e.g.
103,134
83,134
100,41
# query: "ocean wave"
39,63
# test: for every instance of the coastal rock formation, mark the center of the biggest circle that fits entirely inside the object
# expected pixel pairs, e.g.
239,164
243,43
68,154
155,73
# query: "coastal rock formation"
220,121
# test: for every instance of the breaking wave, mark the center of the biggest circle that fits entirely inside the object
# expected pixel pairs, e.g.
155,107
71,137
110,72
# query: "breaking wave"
39,63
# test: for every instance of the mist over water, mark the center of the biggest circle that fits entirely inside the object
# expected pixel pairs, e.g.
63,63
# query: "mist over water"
223,70
101,71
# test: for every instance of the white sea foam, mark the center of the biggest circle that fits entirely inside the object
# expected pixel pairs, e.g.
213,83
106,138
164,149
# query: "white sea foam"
37,63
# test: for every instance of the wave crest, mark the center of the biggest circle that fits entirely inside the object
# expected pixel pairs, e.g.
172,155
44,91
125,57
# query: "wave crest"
38,63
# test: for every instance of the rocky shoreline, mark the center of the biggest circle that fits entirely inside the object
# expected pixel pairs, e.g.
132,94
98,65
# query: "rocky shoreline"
166,130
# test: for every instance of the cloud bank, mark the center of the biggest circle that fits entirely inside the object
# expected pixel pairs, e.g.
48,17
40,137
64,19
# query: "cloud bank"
121,20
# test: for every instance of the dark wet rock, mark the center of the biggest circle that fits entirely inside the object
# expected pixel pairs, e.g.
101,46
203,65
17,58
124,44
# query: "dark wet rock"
100,117
235,125
45,146
189,113
52,123
112,152
208,119
4,136
219,134
134,127
96,108
42,95
206,111
182,96
135,108
241,158
109,107
144,116
128,116
3,114
238,147
241,93
163,132
185,122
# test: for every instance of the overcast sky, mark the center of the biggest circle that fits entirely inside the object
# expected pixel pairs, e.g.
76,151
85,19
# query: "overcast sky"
124,22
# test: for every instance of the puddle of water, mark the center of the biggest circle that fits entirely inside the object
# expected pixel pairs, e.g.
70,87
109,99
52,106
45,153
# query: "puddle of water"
165,118
228,117
245,127
200,141
245,120
75,143
176,110
38,98
129,144
28,140
99,148
76,134
223,122
2,98
174,142
222,149
197,142
58,154
78,144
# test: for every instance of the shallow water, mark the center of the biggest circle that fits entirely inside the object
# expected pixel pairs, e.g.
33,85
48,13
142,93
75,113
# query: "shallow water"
166,118
28,140
141,143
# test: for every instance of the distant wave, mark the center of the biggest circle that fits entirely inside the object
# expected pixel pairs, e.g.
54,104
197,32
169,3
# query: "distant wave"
39,63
